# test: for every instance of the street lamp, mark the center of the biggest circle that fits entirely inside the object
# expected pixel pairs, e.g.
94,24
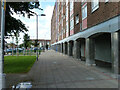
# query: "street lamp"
37,30
17,50
12,44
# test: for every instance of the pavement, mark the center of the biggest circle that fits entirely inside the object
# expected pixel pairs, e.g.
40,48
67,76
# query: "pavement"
56,70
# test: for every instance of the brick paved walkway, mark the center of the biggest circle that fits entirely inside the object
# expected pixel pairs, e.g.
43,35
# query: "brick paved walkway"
55,70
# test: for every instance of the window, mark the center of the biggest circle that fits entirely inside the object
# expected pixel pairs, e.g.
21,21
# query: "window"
95,5
71,24
71,6
67,26
61,32
106,0
67,12
62,23
58,3
66,2
64,16
64,30
77,18
84,12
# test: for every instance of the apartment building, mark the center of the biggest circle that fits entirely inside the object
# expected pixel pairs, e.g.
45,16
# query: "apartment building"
92,32
54,26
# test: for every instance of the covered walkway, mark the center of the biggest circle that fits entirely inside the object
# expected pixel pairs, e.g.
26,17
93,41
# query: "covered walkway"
56,70
96,45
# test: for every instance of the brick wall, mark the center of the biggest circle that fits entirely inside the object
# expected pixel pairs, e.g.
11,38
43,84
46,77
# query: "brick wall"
77,10
53,27
64,21
103,13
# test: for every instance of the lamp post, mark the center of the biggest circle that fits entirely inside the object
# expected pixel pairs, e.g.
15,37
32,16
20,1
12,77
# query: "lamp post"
37,30
12,44
17,50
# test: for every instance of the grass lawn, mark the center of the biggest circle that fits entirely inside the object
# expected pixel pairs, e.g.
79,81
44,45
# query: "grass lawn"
18,64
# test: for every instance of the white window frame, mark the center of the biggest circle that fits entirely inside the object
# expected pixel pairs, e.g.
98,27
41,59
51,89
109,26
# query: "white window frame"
71,5
64,30
106,1
67,12
94,5
72,24
67,26
84,12
66,2
77,19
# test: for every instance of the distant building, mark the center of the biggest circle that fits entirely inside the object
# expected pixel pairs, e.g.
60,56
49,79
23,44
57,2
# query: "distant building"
42,42
10,45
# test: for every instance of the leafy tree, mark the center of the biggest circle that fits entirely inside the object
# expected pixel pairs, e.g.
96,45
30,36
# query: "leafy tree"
13,25
36,43
27,42
11,45
21,45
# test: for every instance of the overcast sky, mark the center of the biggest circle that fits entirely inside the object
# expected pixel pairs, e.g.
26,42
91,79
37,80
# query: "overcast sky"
44,25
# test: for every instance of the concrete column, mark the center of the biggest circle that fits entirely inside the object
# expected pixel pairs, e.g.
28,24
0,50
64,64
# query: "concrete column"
119,52
61,50
69,48
68,52
54,47
90,51
76,50
64,48
114,51
58,47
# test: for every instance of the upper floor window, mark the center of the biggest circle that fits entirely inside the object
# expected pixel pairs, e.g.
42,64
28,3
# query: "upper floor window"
67,12
64,30
106,0
67,26
95,5
71,24
84,12
66,2
77,19
71,5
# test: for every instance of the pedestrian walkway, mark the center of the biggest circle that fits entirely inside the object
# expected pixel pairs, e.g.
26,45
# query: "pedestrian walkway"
55,70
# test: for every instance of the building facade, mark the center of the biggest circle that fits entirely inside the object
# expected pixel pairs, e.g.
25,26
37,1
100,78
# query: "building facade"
42,42
91,32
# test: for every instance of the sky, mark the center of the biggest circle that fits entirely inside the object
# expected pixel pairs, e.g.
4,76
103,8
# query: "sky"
44,23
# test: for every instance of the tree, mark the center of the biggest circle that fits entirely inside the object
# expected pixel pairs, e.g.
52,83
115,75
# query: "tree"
27,42
36,43
13,25
21,45
11,45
